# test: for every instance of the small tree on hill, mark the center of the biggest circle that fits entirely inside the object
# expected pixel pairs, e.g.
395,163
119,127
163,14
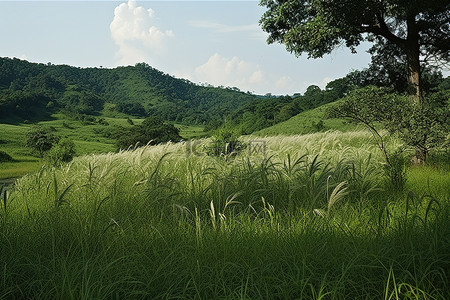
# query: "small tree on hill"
62,152
41,140
153,131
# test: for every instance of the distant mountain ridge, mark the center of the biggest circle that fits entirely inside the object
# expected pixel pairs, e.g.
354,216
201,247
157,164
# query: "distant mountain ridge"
136,90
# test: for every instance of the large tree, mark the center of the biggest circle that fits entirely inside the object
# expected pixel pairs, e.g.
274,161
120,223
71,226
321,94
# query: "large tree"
418,28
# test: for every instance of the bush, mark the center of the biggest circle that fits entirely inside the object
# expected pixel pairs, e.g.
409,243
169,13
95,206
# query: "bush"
225,142
152,131
61,153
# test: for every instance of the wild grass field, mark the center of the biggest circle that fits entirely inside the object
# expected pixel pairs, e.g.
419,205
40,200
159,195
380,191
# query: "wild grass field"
291,217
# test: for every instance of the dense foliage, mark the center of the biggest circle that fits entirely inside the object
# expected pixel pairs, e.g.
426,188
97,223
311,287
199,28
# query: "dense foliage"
423,127
5,157
417,29
140,90
152,131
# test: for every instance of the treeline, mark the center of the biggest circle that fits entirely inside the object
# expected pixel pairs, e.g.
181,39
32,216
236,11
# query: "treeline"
138,90
269,110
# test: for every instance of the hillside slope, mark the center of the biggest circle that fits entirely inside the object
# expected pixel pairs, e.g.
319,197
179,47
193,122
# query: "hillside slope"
308,121
138,90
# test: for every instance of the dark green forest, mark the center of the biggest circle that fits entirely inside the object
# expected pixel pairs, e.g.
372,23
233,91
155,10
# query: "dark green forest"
32,90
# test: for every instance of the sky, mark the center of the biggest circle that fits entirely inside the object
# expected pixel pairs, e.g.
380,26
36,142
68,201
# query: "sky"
213,42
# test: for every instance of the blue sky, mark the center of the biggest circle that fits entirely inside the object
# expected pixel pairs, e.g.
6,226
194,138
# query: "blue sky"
215,42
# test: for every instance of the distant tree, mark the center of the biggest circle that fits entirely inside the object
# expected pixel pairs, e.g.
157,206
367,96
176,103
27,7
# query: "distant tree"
41,140
313,97
339,87
419,29
153,130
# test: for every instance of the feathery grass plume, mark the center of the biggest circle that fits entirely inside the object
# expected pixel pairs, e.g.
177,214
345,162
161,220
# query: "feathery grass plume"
339,192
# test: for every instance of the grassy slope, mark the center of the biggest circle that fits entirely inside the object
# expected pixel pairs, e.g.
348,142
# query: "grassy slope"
303,123
87,140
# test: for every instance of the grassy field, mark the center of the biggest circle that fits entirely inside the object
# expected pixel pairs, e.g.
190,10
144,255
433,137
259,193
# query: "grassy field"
302,217
88,139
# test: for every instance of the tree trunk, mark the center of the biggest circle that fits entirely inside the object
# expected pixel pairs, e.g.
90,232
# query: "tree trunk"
414,81
421,156
412,50
413,58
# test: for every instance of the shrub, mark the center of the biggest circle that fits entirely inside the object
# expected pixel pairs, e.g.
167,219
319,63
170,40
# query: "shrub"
152,131
225,142
61,152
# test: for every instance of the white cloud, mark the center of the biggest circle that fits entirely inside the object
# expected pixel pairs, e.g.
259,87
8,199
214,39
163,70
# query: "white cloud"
133,30
284,82
236,72
252,30
233,72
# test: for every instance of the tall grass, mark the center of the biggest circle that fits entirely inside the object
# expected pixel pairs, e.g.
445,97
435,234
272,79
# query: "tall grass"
309,218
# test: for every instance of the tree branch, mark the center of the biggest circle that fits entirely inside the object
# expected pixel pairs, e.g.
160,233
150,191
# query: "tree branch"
381,28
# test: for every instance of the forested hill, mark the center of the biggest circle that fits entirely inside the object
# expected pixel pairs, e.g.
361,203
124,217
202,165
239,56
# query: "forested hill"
32,90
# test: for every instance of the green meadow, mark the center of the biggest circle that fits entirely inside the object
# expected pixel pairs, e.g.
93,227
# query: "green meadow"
290,217
88,139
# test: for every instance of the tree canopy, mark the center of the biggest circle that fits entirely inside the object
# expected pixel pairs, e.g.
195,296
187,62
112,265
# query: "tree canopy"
152,131
419,29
